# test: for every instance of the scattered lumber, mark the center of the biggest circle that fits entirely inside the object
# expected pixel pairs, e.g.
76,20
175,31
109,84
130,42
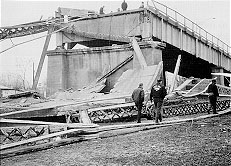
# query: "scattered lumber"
52,109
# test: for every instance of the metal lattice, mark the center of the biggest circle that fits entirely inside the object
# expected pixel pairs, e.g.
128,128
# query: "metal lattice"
117,114
15,134
224,90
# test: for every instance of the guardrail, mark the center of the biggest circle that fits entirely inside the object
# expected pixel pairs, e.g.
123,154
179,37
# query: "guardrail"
192,26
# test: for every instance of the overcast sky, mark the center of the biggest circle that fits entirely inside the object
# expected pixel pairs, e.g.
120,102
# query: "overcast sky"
214,16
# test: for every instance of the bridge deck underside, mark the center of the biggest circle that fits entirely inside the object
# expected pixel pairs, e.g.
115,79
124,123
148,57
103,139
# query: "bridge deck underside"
149,23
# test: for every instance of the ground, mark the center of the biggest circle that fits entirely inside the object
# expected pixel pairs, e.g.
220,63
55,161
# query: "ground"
203,142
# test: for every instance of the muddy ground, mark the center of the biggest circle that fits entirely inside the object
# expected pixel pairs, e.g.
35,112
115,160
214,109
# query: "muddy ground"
204,142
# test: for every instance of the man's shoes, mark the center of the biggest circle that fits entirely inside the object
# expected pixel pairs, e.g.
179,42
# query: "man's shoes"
139,122
215,113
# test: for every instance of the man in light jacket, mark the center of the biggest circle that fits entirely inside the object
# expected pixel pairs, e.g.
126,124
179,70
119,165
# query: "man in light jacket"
157,95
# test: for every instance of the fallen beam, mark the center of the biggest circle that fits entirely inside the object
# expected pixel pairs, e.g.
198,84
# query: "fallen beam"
116,68
9,122
14,152
52,110
42,58
139,54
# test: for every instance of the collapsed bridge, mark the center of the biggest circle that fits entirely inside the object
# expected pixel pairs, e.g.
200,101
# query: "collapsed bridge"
124,49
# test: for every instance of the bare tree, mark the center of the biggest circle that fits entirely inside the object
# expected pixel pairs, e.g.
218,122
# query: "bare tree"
13,80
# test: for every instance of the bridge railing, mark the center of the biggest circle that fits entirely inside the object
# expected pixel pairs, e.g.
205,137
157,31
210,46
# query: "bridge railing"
191,26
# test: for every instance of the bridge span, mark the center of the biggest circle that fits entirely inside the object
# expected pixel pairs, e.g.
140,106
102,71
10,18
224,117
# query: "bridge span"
150,24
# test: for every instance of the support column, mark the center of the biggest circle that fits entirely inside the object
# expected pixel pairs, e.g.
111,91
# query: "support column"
59,40
162,29
42,58
220,79
181,39
57,71
146,27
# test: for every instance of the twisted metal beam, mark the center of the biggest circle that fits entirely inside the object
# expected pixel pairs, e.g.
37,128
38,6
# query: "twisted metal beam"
23,29
28,28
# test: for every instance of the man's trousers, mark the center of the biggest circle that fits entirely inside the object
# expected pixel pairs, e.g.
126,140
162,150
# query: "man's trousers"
157,107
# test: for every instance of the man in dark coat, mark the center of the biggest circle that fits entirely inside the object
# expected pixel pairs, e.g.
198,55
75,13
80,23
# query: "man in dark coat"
101,10
124,5
142,5
157,95
213,94
138,98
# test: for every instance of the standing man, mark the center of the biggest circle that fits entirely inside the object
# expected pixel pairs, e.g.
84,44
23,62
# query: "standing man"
138,98
213,94
124,5
101,10
158,93
142,5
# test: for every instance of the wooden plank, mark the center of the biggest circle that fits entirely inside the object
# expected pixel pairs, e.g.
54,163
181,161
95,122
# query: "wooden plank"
24,150
13,152
4,122
139,54
29,111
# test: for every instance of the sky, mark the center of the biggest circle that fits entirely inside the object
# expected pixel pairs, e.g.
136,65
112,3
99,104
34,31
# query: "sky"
213,16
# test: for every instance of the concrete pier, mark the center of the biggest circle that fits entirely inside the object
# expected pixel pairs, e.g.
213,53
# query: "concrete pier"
76,68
